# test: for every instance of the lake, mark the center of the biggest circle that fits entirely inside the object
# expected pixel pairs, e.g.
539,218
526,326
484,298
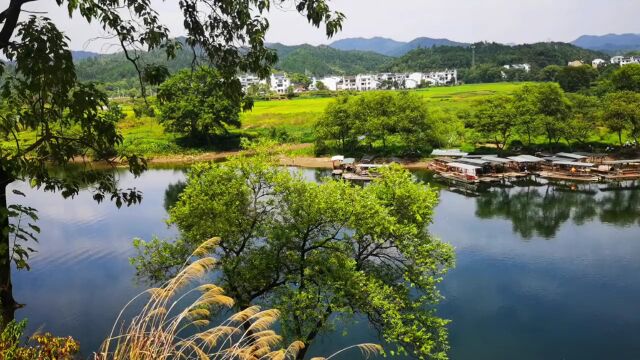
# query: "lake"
543,271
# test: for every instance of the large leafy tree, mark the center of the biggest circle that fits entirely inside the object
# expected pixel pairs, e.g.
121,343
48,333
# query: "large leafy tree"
317,252
378,116
495,119
575,78
199,104
622,112
626,78
42,95
584,117
551,109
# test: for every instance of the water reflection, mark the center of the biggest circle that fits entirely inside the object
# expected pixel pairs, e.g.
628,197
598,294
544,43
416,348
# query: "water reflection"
536,299
541,210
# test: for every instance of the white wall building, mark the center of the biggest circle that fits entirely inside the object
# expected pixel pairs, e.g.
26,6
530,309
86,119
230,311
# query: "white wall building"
629,60
279,83
247,80
525,67
348,83
366,82
617,59
331,82
598,63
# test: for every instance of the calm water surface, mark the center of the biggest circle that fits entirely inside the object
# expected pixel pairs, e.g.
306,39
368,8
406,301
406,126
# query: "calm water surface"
543,272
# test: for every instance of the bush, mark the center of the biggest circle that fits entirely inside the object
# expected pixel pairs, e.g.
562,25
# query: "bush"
40,346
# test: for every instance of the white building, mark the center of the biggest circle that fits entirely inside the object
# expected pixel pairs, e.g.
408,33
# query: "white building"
347,83
279,83
331,82
598,63
525,67
366,82
434,78
629,60
247,80
617,59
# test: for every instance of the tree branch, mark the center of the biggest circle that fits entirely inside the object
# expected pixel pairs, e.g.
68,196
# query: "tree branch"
10,18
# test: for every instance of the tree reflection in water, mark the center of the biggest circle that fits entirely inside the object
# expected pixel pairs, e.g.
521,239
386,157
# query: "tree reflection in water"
538,209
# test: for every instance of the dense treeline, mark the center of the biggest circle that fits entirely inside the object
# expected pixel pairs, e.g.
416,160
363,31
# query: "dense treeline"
489,59
321,60
384,119
536,114
117,73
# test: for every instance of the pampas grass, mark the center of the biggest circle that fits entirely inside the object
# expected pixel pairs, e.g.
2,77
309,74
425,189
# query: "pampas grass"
167,329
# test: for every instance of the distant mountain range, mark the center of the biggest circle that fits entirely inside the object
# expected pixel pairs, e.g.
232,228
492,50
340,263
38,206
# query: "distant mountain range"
390,47
79,54
613,44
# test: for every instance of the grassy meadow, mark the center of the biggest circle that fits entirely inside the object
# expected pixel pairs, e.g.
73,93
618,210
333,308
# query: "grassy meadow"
290,121
297,116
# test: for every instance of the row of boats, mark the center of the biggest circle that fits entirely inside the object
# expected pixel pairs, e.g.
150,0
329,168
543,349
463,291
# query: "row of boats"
460,167
452,164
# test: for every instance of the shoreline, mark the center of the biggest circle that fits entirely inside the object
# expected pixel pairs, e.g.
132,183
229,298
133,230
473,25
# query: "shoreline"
294,161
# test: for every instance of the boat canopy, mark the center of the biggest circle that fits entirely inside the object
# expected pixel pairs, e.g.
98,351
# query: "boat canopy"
571,156
337,158
448,152
479,156
525,159
572,163
463,166
474,161
349,161
496,159
622,162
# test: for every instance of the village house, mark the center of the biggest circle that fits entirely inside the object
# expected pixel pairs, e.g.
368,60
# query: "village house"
525,67
365,82
279,83
598,63
575,63
247,80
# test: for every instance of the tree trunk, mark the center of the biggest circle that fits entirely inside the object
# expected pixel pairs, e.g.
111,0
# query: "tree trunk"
7,302
620,137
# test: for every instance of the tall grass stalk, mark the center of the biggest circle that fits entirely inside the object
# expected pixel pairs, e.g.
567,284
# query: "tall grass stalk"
165,330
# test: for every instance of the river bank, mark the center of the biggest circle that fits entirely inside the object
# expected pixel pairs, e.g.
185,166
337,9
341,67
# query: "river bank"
285,160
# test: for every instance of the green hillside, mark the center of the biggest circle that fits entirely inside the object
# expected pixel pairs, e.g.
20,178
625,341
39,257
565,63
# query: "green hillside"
317,60
537,55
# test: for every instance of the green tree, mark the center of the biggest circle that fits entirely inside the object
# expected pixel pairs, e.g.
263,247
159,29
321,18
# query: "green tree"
495,119
525,108
200,104
627,78
300,79
575,78
622,112
42,95
319,253
337,123
551,109
584,117
550,73
321,86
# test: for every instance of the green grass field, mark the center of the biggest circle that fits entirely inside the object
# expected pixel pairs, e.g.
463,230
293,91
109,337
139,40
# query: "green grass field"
297,116
292,120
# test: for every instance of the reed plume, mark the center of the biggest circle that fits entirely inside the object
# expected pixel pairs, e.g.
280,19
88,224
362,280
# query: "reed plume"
167,329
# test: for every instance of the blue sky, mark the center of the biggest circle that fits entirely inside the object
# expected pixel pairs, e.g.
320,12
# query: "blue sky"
506,21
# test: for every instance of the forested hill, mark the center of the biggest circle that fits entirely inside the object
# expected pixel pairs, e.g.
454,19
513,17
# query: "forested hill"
324,60
538,55
317,60
612,43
